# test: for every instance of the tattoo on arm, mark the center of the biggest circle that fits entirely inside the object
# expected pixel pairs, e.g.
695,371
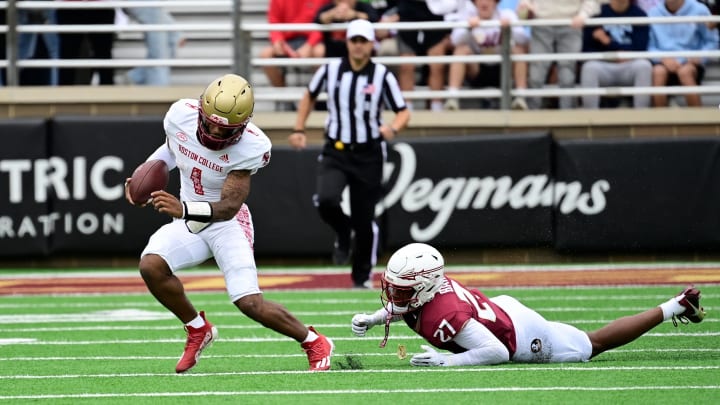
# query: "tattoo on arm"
234,193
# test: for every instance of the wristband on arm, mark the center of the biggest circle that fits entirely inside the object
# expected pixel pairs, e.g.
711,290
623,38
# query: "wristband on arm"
200,211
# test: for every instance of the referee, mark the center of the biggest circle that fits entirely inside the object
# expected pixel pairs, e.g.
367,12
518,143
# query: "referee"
355,148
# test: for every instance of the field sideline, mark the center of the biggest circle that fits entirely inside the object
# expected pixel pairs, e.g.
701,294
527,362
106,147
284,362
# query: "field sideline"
43,281
98,337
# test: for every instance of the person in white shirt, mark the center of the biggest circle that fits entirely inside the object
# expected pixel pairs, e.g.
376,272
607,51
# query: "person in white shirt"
485,40
216,149
548,39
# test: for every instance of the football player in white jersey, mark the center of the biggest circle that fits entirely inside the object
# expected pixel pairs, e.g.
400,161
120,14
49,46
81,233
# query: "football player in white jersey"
478,330
216,149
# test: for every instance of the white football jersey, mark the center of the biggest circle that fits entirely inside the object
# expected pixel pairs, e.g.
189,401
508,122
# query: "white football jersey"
203,171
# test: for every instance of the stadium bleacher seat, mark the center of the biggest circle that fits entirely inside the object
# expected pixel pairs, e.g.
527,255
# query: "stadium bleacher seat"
218,44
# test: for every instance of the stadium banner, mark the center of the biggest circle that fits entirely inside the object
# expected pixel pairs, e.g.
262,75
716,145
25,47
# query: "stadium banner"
645,194
92,159
25,221
484,190
62,192
281,203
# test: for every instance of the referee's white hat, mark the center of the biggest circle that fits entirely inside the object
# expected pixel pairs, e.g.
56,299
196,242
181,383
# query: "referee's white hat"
360,28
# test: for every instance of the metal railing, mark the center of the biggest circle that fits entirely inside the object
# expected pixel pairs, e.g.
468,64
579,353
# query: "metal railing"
241,61
240,39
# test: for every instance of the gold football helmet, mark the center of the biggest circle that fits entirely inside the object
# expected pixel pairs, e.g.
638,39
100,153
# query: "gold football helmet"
226,106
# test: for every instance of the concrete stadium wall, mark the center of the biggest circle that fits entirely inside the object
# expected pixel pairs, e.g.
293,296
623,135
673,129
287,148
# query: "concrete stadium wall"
587,124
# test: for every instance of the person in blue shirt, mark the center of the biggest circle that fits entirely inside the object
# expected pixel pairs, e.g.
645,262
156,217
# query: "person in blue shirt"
616,37
160,45
668,71
28,46
647,5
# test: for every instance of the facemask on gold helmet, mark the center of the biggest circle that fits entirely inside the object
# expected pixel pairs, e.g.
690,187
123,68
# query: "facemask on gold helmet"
225,110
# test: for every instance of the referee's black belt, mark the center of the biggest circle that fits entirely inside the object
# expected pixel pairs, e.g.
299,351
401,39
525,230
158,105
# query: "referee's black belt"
353,147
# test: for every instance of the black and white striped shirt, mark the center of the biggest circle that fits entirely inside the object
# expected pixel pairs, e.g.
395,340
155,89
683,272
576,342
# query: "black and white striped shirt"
356,99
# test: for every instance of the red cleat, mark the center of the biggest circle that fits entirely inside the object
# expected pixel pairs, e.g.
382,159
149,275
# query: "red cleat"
690,299
319,352
197,340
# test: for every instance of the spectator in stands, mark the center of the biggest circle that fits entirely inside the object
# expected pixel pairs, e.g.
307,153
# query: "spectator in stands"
514,5
423,43
292,44
556,39
647,5
519,68
28,47
160,45
340,11
714,7
669,71
100,44
380,6
616,37
386,39
484,40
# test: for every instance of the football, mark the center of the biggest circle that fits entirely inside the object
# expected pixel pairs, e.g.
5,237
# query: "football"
148,177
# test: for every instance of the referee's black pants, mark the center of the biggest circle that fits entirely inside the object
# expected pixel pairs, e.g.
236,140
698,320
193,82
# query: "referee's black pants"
360,168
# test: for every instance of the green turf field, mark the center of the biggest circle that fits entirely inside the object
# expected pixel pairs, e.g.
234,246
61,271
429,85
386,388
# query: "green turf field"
118,348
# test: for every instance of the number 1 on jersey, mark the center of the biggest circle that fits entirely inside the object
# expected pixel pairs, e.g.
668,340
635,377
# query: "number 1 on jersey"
196,177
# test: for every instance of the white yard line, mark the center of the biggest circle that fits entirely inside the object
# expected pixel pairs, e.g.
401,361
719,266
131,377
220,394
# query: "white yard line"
494,369
40,342
289,355
269,394
19,273
222,300
254,326
121,316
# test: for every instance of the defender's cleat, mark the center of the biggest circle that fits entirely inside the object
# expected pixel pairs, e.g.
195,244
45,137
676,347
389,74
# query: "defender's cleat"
690,299
197,340
319,352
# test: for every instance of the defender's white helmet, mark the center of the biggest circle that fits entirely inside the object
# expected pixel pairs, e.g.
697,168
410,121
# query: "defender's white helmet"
413,276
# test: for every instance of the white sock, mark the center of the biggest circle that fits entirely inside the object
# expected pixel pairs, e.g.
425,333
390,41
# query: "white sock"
436,106
311,336
672,307
198,322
